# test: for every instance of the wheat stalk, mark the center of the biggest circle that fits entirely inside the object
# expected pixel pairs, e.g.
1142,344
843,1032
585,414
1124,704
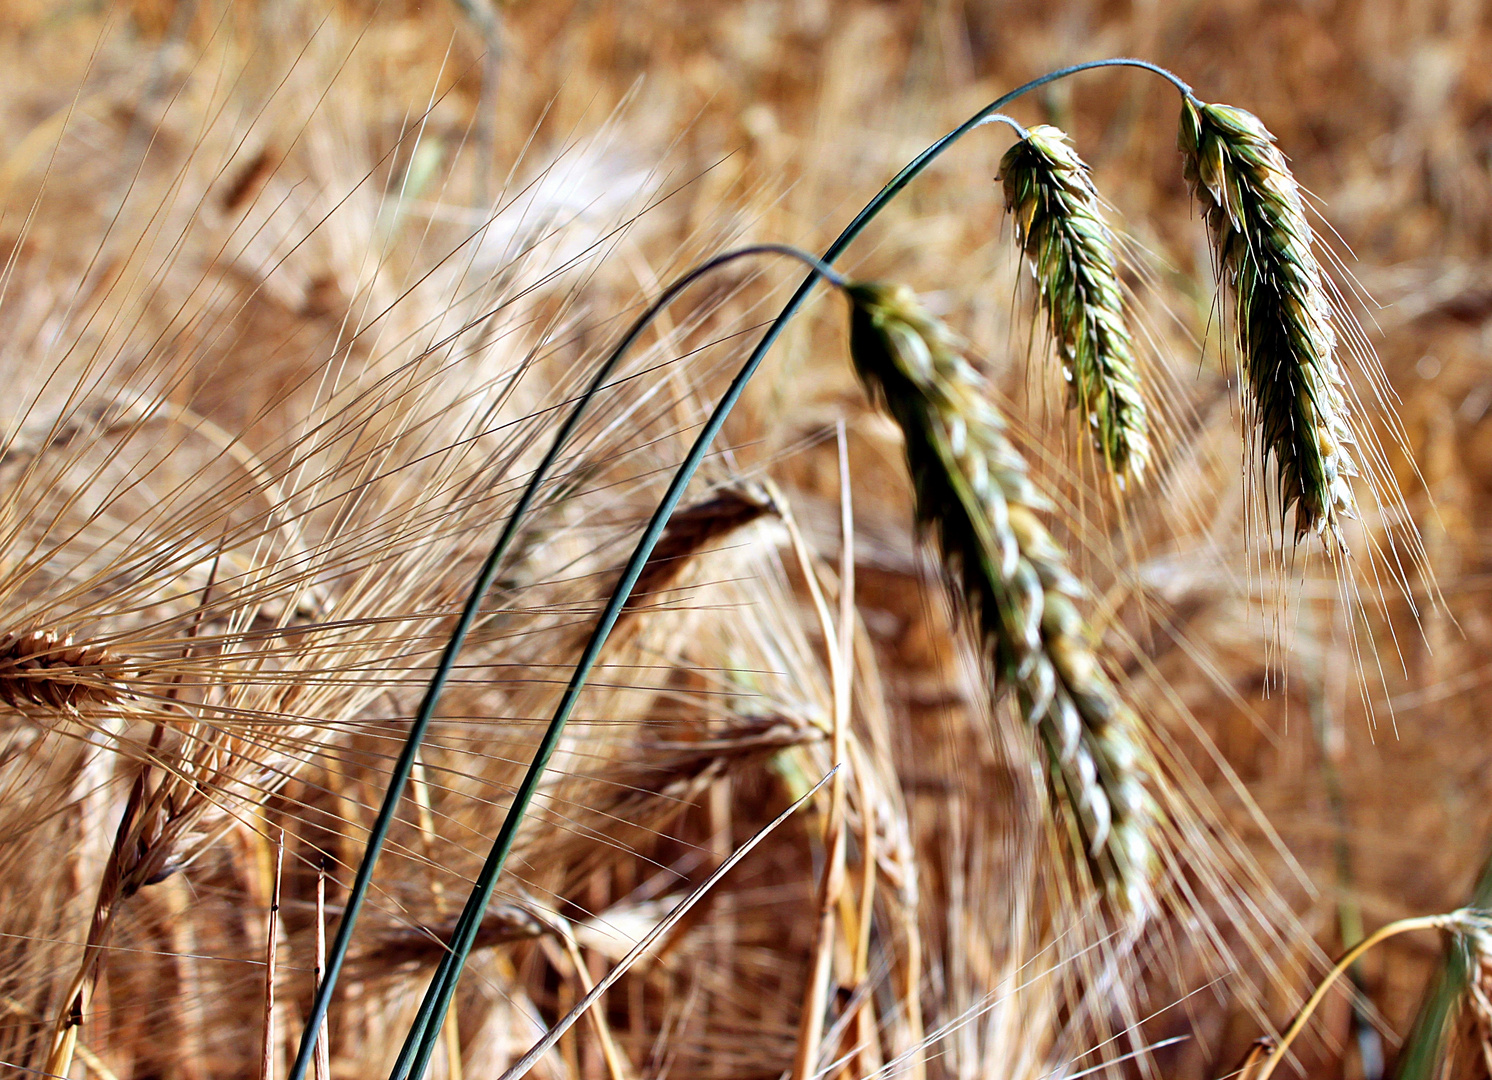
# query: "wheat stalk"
1050,196
1265,250
974,490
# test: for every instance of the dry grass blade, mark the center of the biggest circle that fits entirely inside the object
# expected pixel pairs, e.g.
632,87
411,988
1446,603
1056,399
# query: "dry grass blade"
137,858
1051,197
974,490
1264,248
271,956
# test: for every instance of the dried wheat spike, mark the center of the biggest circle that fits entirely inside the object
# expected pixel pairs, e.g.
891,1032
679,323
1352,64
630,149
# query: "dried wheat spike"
690,531
974,490
1051,198
1264,250
39,668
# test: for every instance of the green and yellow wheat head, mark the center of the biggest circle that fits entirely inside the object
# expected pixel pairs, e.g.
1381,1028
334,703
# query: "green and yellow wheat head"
974,491
1264,249
1058,222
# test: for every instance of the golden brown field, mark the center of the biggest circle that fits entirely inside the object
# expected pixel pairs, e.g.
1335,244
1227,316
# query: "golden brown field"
293,297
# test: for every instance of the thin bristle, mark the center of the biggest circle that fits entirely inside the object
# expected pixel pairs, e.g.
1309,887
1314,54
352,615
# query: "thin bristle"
1265,250
974,491
39,668
1051,198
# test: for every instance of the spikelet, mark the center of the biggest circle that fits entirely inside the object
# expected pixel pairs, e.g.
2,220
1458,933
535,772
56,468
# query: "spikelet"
973,489
1051,198
39,668
1264,250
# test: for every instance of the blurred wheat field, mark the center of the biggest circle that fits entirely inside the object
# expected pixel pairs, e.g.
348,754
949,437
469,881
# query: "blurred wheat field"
292,297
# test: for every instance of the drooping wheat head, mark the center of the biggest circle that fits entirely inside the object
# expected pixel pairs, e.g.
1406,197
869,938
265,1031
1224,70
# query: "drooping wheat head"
1050,196
1263,245
974,490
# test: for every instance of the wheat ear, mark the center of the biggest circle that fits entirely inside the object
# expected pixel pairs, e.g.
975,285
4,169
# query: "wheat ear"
690,532
1265,250
974,490
37,667
1058,222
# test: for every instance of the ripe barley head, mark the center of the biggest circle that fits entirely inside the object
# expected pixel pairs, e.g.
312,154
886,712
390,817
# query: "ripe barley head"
39,668
1051,197
1264,250
974,490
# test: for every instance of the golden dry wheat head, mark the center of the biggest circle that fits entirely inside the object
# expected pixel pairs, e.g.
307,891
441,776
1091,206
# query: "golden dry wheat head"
691,531
974,491
37,667
1264,248
1050,196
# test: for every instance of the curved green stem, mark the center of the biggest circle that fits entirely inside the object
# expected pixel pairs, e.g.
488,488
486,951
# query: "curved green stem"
405,763
464,934
427,1024
1425,1049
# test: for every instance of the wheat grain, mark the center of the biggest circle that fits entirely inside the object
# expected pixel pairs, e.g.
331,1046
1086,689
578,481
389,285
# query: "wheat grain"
973,489
1264,249
1051,198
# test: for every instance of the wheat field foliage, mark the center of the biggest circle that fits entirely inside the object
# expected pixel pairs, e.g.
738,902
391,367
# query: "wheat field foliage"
1098,758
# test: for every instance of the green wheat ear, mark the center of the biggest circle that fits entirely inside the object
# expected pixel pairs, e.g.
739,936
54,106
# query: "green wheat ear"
974,491
1050,196
1265,250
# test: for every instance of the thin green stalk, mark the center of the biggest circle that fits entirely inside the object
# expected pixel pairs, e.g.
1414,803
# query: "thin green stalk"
432,1010
1457,922
1422,1056
405,763
464,935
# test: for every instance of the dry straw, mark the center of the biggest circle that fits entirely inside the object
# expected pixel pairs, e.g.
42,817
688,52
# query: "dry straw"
1058,222
1264,250
974,490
